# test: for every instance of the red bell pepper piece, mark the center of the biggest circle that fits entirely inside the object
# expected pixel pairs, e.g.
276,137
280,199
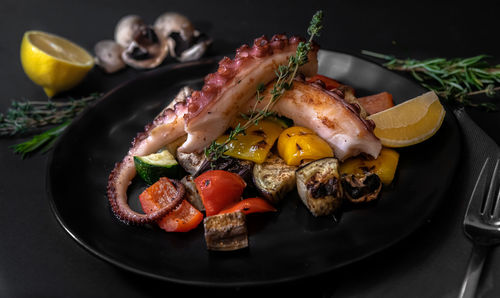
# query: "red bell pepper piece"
219,190
250,205
377,102
182,219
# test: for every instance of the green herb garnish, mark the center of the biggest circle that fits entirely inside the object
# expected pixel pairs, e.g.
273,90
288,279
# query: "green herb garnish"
25,117
455,80
285,75
42,142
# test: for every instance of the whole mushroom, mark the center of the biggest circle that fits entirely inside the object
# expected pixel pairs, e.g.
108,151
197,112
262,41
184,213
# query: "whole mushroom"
126,29
108,55
173,22
185,43
146,50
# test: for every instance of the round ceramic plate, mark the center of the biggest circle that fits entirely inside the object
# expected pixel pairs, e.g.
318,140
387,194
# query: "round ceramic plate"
283,246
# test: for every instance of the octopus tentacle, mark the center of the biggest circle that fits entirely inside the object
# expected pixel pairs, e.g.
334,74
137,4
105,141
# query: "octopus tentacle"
211,109
123,211
165,128
327,113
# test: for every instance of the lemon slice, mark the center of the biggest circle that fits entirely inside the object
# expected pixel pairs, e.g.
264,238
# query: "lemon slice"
53,62
409,123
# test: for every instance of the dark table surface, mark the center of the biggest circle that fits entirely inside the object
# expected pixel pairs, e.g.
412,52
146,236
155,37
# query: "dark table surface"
37,257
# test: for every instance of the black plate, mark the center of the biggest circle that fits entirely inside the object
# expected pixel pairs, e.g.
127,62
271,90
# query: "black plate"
284,246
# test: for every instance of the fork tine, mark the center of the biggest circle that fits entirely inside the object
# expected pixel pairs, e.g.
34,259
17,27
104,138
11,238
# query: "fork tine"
476,199
496,176
488,204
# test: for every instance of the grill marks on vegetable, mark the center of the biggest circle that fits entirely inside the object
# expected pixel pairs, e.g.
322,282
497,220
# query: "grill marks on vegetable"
319,189
364,188
260,145
259,133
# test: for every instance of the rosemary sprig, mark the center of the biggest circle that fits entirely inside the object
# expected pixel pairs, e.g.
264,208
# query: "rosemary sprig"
455,80
42,142
285,75
25,117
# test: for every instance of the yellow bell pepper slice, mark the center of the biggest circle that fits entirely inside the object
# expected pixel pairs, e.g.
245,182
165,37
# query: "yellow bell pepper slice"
257,141
297,144
384,165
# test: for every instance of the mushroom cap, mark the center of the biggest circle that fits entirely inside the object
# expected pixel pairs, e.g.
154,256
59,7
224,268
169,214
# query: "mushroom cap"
170,22
147,49
195,52
127,28
108,55
188,50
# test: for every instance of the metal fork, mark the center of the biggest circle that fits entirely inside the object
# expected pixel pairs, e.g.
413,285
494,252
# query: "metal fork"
482,223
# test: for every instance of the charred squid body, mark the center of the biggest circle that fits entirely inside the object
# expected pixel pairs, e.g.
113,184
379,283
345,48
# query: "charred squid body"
225,93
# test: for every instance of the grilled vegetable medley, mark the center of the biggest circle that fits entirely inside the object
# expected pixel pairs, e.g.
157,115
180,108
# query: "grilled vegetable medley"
259,168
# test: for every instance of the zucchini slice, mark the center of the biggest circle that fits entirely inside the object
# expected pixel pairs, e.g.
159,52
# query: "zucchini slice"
152,167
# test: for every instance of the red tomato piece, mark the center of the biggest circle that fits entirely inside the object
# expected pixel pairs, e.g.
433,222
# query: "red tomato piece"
329,82
219,189
250,205
182,219
377,102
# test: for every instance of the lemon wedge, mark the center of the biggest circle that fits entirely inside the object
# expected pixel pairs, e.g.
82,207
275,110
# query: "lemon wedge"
411,122
53,62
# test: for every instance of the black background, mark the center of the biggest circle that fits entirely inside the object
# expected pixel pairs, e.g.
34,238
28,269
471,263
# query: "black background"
37,258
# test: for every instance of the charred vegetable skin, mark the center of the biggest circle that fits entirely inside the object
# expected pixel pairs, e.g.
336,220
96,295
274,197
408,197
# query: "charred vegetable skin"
319,186
274,178
384,165
184,217
192,193
361,188
225,232
256,142
237,166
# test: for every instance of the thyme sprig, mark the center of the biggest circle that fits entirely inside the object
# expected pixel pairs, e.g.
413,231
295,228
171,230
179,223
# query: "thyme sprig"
285,75
455,80
24,117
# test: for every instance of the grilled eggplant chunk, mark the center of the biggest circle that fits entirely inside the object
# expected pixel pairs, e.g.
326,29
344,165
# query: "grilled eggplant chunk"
192,194
238,166
319,187
274,178
361,188
191,162
225,232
